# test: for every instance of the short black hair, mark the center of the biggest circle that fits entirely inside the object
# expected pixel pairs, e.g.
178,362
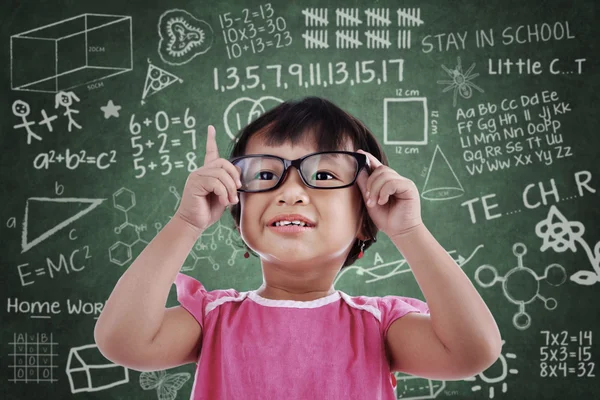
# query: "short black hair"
296,121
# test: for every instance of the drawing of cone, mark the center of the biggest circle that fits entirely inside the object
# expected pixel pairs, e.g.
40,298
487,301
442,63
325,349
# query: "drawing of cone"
441,182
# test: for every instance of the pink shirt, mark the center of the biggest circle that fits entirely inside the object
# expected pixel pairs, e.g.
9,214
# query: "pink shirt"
258,348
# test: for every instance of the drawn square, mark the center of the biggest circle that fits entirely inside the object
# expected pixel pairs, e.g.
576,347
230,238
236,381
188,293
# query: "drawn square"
405,121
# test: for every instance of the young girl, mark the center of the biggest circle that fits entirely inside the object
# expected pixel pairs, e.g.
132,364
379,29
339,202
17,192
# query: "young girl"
296,337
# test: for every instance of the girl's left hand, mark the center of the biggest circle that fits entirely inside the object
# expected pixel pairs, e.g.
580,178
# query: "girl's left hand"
395,206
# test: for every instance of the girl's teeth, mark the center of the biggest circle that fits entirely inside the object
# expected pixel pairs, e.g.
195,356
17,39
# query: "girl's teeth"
286,223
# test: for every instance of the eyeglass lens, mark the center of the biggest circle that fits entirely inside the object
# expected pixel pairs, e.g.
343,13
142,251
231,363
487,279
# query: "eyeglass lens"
321,170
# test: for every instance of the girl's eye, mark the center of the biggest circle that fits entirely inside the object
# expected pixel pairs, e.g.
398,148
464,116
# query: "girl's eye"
322,174
264,175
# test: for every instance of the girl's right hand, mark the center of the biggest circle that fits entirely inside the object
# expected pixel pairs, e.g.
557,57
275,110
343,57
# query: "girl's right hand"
210,188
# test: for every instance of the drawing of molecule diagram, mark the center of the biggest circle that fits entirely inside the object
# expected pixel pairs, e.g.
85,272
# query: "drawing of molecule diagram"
520,278
121,253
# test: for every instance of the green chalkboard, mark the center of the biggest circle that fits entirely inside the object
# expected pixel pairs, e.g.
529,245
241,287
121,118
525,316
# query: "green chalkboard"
489,107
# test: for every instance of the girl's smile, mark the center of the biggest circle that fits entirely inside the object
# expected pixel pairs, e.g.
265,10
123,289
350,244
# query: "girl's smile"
291,223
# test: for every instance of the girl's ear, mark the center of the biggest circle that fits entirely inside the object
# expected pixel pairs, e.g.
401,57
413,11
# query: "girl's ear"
363,231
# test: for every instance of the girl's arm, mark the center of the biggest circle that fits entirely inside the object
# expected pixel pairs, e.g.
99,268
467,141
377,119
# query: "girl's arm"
460,337
135,329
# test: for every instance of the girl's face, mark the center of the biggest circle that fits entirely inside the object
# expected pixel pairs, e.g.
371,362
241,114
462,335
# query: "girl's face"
336,214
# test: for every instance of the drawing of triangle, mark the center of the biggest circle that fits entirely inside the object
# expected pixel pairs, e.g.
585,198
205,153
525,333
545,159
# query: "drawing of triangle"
50,211
148,84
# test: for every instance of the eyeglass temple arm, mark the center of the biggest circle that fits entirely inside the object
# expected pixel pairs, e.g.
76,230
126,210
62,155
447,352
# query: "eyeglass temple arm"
369,170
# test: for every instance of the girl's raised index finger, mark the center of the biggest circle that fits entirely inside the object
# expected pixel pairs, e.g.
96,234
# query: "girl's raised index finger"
212,152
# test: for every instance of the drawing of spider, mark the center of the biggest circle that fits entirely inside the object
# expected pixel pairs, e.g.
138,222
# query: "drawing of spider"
461,82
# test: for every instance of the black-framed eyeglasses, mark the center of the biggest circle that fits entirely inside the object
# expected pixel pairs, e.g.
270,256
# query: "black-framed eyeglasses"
321,170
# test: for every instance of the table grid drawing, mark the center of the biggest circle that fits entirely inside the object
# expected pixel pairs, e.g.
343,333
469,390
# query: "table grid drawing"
29,364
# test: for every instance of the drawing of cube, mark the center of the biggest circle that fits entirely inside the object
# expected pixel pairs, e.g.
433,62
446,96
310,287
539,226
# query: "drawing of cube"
71,53
89,371
405,120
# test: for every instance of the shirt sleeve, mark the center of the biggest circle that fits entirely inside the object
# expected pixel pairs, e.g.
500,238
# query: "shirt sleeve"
192,296
394,307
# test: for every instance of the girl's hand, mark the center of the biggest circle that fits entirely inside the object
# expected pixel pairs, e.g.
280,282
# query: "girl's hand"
395,206
209,189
